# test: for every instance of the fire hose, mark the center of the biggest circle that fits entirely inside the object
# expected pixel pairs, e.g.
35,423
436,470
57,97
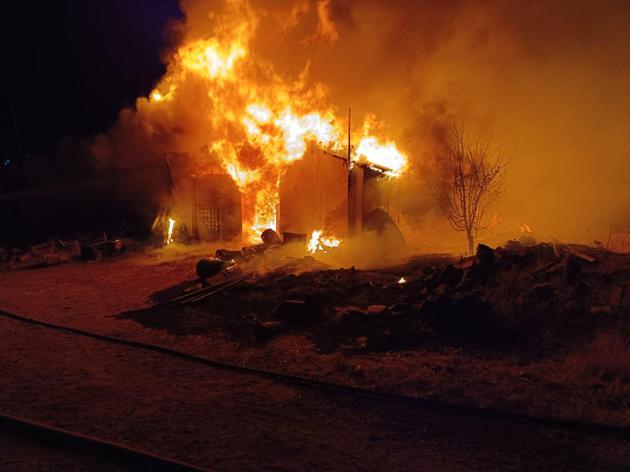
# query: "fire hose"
133,456
304,382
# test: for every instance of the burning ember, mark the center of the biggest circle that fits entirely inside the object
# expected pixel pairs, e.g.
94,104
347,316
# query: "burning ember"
402,280
321,243
254,121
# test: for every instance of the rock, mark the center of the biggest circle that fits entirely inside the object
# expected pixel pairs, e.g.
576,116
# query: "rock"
527,240
432,280
358,371
210,266
377,310
543,291
270,238
473,308
601,310
450,275
469,317
485,255
90,253
615,296
573,269
407,333
228,255
350,315
297,238
295,311
400,306
268,329
362,342
435,307
441,290
512,245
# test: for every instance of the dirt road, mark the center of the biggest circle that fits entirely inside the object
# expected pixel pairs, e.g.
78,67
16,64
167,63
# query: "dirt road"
228,421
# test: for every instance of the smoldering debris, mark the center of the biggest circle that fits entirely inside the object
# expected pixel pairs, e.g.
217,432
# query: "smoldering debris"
499,299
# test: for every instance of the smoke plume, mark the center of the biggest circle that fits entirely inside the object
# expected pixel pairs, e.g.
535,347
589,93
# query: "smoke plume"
546,81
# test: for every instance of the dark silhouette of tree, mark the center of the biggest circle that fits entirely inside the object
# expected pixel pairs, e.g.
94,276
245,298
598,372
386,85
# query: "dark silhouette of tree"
468,180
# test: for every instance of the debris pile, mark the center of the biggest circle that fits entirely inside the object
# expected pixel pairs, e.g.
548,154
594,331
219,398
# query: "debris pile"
59,251
229,268
498,297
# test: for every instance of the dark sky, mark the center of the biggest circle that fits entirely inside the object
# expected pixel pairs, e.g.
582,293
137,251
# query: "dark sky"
71,65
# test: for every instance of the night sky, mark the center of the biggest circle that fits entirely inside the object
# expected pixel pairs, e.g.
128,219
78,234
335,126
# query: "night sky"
71,65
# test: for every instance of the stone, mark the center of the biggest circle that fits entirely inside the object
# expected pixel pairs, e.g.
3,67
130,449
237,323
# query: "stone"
270,238
295,311
485,255
450,275
542,291
350,315
268,329
573,269
400,306
210,266
377,310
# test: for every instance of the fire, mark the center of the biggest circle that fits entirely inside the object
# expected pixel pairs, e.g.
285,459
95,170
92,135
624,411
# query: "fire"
322,243
169,231
386,156
211,58
253,122
402,280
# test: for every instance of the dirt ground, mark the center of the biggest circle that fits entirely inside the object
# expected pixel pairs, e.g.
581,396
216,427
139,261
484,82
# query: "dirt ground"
227,421
113,297
93,295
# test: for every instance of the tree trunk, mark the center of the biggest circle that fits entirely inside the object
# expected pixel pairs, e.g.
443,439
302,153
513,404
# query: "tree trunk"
471,242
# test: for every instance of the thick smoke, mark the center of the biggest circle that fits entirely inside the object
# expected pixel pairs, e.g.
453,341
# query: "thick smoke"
547,81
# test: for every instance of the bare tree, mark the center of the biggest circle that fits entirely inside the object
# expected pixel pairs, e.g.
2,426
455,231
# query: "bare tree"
469,179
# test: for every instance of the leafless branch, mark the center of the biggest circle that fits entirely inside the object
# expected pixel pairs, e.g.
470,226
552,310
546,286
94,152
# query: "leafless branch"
469,180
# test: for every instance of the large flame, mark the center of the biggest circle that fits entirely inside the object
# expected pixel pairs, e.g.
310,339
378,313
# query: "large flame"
257,123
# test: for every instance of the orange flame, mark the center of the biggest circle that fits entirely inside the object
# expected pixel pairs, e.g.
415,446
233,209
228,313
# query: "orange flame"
169,231
321,243
257,123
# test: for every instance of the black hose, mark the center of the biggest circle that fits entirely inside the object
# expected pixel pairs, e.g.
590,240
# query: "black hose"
62,437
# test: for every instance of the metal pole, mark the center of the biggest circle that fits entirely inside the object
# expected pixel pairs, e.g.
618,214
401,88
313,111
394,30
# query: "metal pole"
349,136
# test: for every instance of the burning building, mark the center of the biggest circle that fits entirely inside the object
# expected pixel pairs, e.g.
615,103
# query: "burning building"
224,110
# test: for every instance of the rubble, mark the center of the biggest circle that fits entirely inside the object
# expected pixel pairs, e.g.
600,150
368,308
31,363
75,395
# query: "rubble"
294,311
485,255
228,255
270,238
377,310
268,329
61,251
349,315
210,267
497,296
